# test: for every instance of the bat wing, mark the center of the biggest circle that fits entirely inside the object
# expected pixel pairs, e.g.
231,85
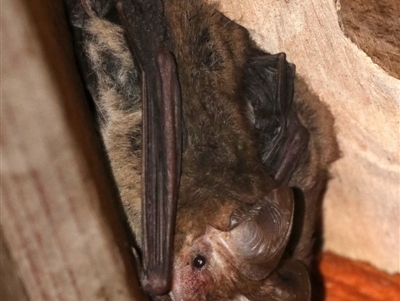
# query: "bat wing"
269,86
146,35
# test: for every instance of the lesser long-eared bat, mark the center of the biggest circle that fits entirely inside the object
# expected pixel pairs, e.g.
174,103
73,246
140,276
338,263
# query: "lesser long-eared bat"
204,140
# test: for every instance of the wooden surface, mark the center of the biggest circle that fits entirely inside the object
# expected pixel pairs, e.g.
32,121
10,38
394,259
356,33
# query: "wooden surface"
347,280
374,26
63,235
362,203
11,286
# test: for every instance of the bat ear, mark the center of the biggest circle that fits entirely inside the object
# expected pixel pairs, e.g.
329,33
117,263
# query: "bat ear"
289,282
260,234
268,86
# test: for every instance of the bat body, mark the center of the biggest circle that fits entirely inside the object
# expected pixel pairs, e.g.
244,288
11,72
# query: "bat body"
237,233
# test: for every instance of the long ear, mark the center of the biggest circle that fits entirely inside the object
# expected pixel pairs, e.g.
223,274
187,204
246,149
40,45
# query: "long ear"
260,234
268,85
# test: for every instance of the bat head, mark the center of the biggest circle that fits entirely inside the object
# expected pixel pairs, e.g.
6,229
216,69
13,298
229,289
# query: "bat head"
240,258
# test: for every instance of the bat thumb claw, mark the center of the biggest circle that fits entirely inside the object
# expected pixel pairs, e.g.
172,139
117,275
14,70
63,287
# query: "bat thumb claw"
156,285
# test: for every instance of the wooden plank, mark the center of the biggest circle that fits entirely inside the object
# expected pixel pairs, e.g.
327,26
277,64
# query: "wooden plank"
62,229
11,286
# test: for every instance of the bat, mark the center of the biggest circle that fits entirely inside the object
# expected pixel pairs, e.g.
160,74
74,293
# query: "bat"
204,140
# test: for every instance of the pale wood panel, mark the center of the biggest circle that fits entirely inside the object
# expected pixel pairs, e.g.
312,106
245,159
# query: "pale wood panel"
11,287
63,232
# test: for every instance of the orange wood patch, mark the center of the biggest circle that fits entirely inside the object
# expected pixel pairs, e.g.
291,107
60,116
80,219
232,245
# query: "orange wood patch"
348,280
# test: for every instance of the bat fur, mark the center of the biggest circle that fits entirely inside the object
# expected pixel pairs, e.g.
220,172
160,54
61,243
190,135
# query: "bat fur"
221,168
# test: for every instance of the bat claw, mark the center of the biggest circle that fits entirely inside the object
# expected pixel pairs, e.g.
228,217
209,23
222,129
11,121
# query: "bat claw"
156,285
153,284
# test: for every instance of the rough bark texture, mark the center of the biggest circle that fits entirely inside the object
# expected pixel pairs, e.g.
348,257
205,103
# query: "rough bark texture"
361,210
63,237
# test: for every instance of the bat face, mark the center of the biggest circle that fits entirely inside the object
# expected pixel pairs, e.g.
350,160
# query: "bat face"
224,264
241,145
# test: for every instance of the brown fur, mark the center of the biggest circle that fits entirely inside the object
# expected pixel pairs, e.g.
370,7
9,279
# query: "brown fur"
221,168
311,174
121,128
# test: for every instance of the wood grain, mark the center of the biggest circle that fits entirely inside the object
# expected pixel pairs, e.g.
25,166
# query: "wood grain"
11,286
58,212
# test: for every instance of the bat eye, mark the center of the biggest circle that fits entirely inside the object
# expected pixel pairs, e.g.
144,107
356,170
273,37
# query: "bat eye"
199,262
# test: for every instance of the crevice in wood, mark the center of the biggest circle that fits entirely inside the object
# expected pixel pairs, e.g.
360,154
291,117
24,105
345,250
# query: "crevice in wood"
374,26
